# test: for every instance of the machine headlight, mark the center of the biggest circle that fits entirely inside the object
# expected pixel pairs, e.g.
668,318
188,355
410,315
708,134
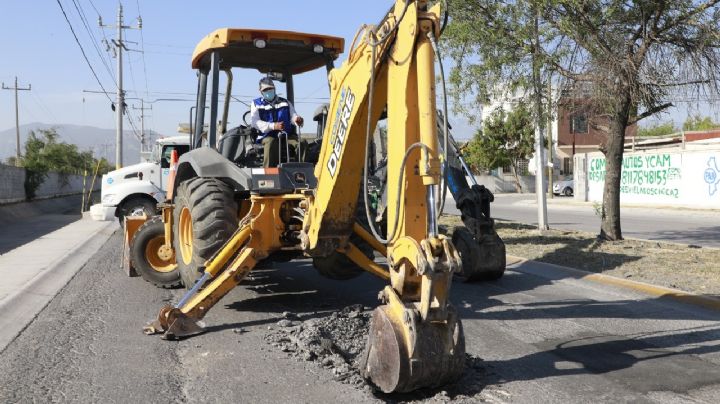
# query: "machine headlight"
108,199
260,43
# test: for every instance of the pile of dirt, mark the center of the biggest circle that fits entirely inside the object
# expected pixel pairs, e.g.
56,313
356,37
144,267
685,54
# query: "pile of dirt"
335,341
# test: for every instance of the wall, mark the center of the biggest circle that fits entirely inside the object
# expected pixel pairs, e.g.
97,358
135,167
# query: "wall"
656,177
505,183
11,184
12,188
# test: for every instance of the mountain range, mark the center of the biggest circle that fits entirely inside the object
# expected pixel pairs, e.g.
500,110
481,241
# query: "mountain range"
98,140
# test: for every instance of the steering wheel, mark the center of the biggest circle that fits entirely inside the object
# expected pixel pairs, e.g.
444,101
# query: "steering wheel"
245,115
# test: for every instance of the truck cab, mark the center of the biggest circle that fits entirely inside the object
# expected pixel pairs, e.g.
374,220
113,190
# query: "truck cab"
136,189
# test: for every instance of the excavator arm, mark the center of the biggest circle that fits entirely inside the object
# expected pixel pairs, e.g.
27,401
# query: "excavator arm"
415,338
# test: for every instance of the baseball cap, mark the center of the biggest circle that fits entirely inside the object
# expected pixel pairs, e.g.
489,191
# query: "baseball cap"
266,83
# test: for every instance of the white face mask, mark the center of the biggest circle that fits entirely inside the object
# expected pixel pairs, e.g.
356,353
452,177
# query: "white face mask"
269,95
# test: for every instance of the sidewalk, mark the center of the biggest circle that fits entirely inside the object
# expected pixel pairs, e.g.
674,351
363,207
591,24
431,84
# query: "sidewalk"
33,273
570,202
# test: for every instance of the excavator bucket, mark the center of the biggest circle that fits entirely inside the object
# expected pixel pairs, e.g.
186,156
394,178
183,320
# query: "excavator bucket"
404,353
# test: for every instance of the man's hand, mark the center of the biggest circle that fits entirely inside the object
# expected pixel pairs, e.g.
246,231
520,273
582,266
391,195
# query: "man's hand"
299,120
279,126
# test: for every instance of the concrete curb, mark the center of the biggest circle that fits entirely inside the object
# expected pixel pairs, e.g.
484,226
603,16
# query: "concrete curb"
20,308
646,288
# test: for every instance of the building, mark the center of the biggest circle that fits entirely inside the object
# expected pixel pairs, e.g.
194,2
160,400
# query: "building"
578,129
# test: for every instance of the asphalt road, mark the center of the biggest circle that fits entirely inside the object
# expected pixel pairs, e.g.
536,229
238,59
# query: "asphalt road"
684,226
533,338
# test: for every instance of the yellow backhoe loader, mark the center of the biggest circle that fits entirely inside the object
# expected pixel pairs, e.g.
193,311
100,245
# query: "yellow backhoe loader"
228,213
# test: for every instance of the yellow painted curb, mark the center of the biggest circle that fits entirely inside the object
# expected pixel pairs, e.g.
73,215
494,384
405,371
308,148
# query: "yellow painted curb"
653,290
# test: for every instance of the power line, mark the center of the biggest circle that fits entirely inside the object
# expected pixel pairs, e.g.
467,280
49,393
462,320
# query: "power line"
82,50
93,40
142,49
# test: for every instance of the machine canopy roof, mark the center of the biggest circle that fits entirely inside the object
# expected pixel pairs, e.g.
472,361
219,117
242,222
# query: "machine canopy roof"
284,51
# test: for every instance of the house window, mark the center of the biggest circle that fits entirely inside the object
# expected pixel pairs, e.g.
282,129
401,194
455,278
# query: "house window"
523,167
578,123
507,170
567,166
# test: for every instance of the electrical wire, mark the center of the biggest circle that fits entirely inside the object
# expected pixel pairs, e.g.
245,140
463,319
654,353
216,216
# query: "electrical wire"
142,52
93,40
82,50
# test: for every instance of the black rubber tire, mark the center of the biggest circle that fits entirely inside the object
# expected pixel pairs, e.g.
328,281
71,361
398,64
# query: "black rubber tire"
135,206
568,191
213,213
473,255
152,229
337,265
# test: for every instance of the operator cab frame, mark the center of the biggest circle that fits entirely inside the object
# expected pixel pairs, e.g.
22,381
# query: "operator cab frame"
278,54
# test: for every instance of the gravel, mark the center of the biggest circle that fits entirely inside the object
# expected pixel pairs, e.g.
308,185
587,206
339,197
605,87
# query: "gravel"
335,341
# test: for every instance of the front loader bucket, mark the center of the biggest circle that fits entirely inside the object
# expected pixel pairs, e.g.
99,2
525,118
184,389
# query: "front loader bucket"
405,353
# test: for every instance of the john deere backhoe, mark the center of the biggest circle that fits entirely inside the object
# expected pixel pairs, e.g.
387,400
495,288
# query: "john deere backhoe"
304,209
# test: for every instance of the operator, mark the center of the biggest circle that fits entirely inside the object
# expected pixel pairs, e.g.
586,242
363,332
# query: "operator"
273,115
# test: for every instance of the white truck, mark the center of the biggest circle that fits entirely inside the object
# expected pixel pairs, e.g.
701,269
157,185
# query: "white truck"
136,189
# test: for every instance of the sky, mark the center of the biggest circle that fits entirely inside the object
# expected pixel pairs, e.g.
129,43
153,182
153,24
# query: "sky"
39,49
47,56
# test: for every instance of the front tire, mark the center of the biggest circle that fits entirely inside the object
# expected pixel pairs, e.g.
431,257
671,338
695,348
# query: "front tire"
205,217
150,259
136,206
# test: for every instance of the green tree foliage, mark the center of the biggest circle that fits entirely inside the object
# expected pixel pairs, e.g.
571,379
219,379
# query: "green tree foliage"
697,122
506,139
657,129
44,153
627,57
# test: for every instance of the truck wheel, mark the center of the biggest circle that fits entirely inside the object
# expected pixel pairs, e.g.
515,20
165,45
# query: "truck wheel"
136,206
153,262
205,217
481,261
337,265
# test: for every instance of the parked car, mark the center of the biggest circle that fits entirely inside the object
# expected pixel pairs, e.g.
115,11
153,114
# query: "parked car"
564,187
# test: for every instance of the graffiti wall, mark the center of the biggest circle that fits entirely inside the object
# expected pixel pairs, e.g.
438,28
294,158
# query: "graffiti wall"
684,178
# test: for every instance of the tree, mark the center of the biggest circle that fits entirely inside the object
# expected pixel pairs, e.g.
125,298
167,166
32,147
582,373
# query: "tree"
44,153
506,139
697,122
657,129
629,56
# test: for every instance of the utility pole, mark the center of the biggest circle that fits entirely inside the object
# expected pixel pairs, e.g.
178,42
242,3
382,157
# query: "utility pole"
540,158
119,46
551,145
17,118
143,139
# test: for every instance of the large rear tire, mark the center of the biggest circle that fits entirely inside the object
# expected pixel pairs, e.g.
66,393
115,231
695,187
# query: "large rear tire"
150,259
205,217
